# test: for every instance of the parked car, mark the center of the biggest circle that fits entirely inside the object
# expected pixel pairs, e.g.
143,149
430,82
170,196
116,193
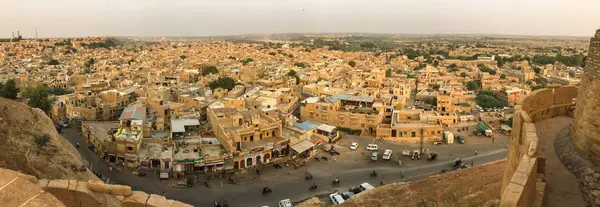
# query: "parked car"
336,198
372,147
354,146
346,195
460,139
374,156
387,154
285,203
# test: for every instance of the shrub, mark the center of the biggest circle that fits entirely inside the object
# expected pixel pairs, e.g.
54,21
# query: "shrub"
42,140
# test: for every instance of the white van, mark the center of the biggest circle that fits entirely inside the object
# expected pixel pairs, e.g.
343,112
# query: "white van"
336,199
366,186
372,147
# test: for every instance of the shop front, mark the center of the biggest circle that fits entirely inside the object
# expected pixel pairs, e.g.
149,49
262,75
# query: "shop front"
302,149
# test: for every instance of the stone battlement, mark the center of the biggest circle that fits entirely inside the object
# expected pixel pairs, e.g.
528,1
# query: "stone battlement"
17,189
524,177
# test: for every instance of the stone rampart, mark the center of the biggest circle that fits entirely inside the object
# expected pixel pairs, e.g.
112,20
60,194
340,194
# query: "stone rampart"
524,181
17,189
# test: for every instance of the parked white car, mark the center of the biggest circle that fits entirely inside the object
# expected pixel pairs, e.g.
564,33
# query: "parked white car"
387,154
336,198
372,147
285,203
354,146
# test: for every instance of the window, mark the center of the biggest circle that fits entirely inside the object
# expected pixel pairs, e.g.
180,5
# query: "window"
413,134
394,133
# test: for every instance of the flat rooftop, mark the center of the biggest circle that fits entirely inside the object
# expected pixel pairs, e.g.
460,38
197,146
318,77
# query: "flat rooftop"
100,129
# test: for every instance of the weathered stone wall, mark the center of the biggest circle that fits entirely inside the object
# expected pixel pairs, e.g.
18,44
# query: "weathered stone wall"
17,189
524,181
586,122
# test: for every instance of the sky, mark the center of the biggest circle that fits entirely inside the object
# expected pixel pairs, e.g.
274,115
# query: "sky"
77,18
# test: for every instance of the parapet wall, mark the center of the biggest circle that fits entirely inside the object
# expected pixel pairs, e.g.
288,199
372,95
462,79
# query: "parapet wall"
17,189
524,181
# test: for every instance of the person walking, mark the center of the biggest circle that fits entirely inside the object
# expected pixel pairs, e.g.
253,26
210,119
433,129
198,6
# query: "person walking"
402,173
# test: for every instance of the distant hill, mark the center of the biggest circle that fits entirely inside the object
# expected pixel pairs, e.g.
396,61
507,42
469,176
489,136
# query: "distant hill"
19,126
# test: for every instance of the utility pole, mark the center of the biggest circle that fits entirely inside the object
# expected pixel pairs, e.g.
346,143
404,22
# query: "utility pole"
36,34
422,130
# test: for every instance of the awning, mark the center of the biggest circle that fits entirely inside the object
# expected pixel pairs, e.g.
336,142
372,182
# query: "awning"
302,146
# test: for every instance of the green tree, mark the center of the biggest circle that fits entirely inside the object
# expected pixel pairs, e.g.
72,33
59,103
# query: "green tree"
223,82
503,76
9,89
38,98
290,56
436,87
272,53
209,70
463,74
472,86
53,62
536,70
89,63
388,73
489,99
183,57
294,74
300,65
435,63
352,63
410,76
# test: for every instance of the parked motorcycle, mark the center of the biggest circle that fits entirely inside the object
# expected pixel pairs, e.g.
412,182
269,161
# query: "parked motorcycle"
266,191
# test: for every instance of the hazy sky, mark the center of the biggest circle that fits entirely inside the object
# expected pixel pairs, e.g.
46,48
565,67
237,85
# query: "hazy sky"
61,18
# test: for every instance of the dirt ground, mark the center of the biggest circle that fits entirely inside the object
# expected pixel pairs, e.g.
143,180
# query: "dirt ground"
477,186
19,125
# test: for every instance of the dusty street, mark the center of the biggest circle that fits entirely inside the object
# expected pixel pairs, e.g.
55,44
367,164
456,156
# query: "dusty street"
351,167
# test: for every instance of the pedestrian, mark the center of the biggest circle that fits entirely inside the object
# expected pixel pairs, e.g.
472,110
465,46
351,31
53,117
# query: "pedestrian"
110,168
471,163
475,152
402,173
381,181
163,194
333,158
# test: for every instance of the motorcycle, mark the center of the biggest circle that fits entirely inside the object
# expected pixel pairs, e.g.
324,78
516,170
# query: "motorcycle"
335,182
316,158
324,158
313,187
308,177
266,191
207,184
374,174
278,166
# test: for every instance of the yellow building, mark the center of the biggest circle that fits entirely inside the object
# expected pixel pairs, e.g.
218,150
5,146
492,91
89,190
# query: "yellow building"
353,112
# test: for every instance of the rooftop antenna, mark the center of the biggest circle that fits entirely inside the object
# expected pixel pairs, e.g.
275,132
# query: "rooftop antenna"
36,34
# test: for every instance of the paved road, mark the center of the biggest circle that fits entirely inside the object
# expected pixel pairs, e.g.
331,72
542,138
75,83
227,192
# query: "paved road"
286,182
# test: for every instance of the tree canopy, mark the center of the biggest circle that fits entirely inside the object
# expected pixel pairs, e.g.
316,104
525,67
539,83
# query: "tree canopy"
503,76
489,99
38,98
294,74
388,73
209,70
574,60
223,82
183,57
53,62
300,64
463,74
352,63
9,89
472,86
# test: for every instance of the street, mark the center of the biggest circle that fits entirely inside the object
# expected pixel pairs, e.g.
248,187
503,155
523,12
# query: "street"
290,183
